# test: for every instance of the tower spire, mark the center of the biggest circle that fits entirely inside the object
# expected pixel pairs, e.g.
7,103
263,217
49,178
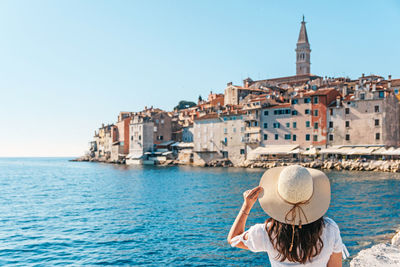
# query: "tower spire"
303,63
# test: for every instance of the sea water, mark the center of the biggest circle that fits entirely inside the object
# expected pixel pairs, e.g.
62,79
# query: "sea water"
56,212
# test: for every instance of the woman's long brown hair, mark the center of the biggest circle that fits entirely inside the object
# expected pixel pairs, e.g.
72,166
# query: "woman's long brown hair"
307,240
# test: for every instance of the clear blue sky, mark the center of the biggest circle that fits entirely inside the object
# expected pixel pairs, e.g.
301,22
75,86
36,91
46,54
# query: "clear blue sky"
68,66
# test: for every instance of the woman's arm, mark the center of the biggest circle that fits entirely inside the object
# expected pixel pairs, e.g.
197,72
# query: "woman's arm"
335,260
250,197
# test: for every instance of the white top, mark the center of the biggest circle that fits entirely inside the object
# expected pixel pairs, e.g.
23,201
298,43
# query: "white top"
258,241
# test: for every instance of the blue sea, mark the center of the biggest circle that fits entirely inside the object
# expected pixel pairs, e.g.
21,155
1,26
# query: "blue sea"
56,212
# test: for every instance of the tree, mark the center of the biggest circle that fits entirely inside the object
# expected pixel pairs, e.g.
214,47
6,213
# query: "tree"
184,104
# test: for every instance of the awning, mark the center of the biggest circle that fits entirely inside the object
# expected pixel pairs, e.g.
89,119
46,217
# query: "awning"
166,143
296,151
350,150
166,153
134,156
183,145
361,150
393,152
380,151
331,150
272,150
311,152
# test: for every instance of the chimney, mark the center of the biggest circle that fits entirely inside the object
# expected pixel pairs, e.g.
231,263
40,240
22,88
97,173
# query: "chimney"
363,75
338,101
368,86
102,125
229,84
374,87
390,81
344,92
389,77
356,87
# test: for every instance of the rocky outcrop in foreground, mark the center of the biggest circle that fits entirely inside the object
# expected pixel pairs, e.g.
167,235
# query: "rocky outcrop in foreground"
379,255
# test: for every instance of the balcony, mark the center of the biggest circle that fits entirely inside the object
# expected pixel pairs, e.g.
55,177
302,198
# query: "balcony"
252,130
251,117
250,140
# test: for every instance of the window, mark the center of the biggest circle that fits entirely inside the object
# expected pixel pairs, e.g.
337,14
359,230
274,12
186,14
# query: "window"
316,112
160,137
225,130
242,129
234,130
294,137
226,141
376,108
377,136
294,112
315,99
347,110
307,111
315,125
307,100
287,111
347,124
265,125
362,96
331,111
347,137
331,124
265,136
140,137
277,125
241,151
307,137
265,112
131,137
331,137
381,94
307,123
276,136
287,137
294,125
288,125
315,138
157,121
376,122
295,101
162,121
255,123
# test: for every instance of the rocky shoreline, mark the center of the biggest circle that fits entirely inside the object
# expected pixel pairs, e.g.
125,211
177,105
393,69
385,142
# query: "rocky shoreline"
348,165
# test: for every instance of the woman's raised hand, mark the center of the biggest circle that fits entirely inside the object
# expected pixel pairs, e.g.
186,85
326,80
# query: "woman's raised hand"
250,196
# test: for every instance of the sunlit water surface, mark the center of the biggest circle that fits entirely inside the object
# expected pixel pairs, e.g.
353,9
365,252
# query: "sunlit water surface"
57,212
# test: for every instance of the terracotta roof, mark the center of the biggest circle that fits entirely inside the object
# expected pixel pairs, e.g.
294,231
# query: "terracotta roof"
207,116
283,105
323,91
348,97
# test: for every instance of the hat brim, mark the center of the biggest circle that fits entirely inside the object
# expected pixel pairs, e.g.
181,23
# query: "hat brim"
273,204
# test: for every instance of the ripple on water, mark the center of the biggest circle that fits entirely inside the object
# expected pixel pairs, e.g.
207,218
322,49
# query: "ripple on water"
59,213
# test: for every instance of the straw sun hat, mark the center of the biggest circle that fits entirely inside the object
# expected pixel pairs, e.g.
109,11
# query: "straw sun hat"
295,195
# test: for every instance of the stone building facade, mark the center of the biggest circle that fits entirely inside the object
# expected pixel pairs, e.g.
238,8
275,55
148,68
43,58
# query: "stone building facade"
368,117
141,136
219,136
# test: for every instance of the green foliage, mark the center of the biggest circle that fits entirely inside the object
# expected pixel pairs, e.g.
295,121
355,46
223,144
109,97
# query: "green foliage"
184,104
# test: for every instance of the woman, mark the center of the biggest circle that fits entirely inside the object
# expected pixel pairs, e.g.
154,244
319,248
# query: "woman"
297,234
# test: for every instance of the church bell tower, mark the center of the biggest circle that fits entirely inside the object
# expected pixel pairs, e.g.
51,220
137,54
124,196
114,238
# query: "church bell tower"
303,51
